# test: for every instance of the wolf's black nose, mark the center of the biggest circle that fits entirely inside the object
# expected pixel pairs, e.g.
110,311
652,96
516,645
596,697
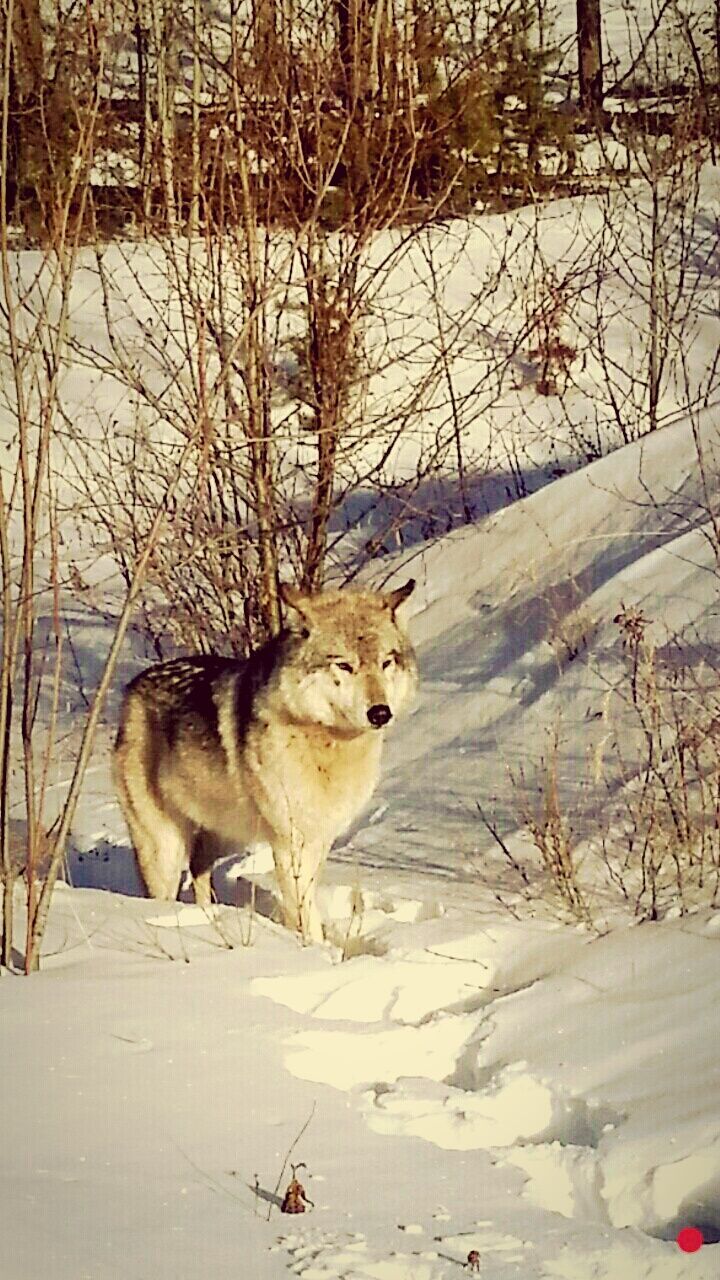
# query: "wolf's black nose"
379,715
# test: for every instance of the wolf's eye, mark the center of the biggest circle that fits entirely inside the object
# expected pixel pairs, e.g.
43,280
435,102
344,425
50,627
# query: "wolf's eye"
343,666
389,662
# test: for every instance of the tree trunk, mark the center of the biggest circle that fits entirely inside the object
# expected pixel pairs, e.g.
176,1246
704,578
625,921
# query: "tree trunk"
26,67
145,127
590,69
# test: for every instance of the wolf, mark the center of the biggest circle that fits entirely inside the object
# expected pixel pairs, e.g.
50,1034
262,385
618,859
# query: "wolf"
215,753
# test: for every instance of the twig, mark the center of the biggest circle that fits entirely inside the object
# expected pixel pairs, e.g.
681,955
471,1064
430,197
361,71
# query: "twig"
492,829
288,1154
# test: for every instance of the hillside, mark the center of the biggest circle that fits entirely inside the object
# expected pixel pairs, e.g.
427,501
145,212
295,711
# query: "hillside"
467,1066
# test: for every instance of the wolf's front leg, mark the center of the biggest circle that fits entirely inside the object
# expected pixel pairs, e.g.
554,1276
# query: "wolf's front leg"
297,867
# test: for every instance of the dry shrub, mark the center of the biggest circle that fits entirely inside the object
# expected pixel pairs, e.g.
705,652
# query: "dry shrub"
548,310
654,798
549,825
572,635
663,845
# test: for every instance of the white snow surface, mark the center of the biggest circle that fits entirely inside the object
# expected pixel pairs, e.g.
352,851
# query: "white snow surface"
553,1106
467,1078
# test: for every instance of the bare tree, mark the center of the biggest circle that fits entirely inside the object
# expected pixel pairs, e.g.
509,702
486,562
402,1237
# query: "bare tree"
306,197
590,59
36,304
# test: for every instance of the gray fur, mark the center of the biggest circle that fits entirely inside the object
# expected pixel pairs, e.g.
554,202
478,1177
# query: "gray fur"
214,753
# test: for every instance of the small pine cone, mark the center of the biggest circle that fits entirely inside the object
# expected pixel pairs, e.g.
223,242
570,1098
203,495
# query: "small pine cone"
295,1199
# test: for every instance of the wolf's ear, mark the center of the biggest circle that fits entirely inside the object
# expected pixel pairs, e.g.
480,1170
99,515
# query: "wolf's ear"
297,608
393,599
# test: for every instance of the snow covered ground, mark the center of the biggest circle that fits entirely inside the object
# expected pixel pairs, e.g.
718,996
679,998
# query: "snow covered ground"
518,1089
469,1077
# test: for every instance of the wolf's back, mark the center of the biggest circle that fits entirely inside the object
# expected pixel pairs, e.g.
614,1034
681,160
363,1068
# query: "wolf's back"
188,693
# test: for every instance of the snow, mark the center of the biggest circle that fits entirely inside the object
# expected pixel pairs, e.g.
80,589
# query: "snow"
468,1077
563,1121
578,1063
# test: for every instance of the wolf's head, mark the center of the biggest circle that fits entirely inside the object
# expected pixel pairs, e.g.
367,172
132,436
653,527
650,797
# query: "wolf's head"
349,665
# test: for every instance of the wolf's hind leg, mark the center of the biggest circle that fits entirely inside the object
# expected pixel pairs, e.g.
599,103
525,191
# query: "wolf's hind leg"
160,842
204,854
161,857
160,851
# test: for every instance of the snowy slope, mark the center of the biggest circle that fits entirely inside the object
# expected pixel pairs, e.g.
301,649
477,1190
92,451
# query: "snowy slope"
488,274
469,1079
498,608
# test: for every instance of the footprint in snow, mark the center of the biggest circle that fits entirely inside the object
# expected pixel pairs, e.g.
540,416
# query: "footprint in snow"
326,1257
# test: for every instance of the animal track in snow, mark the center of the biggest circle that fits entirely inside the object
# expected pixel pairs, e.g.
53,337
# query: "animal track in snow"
325,1256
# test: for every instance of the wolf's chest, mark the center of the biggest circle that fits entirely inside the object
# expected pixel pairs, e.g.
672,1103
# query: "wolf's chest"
338,767
314,776
325,762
